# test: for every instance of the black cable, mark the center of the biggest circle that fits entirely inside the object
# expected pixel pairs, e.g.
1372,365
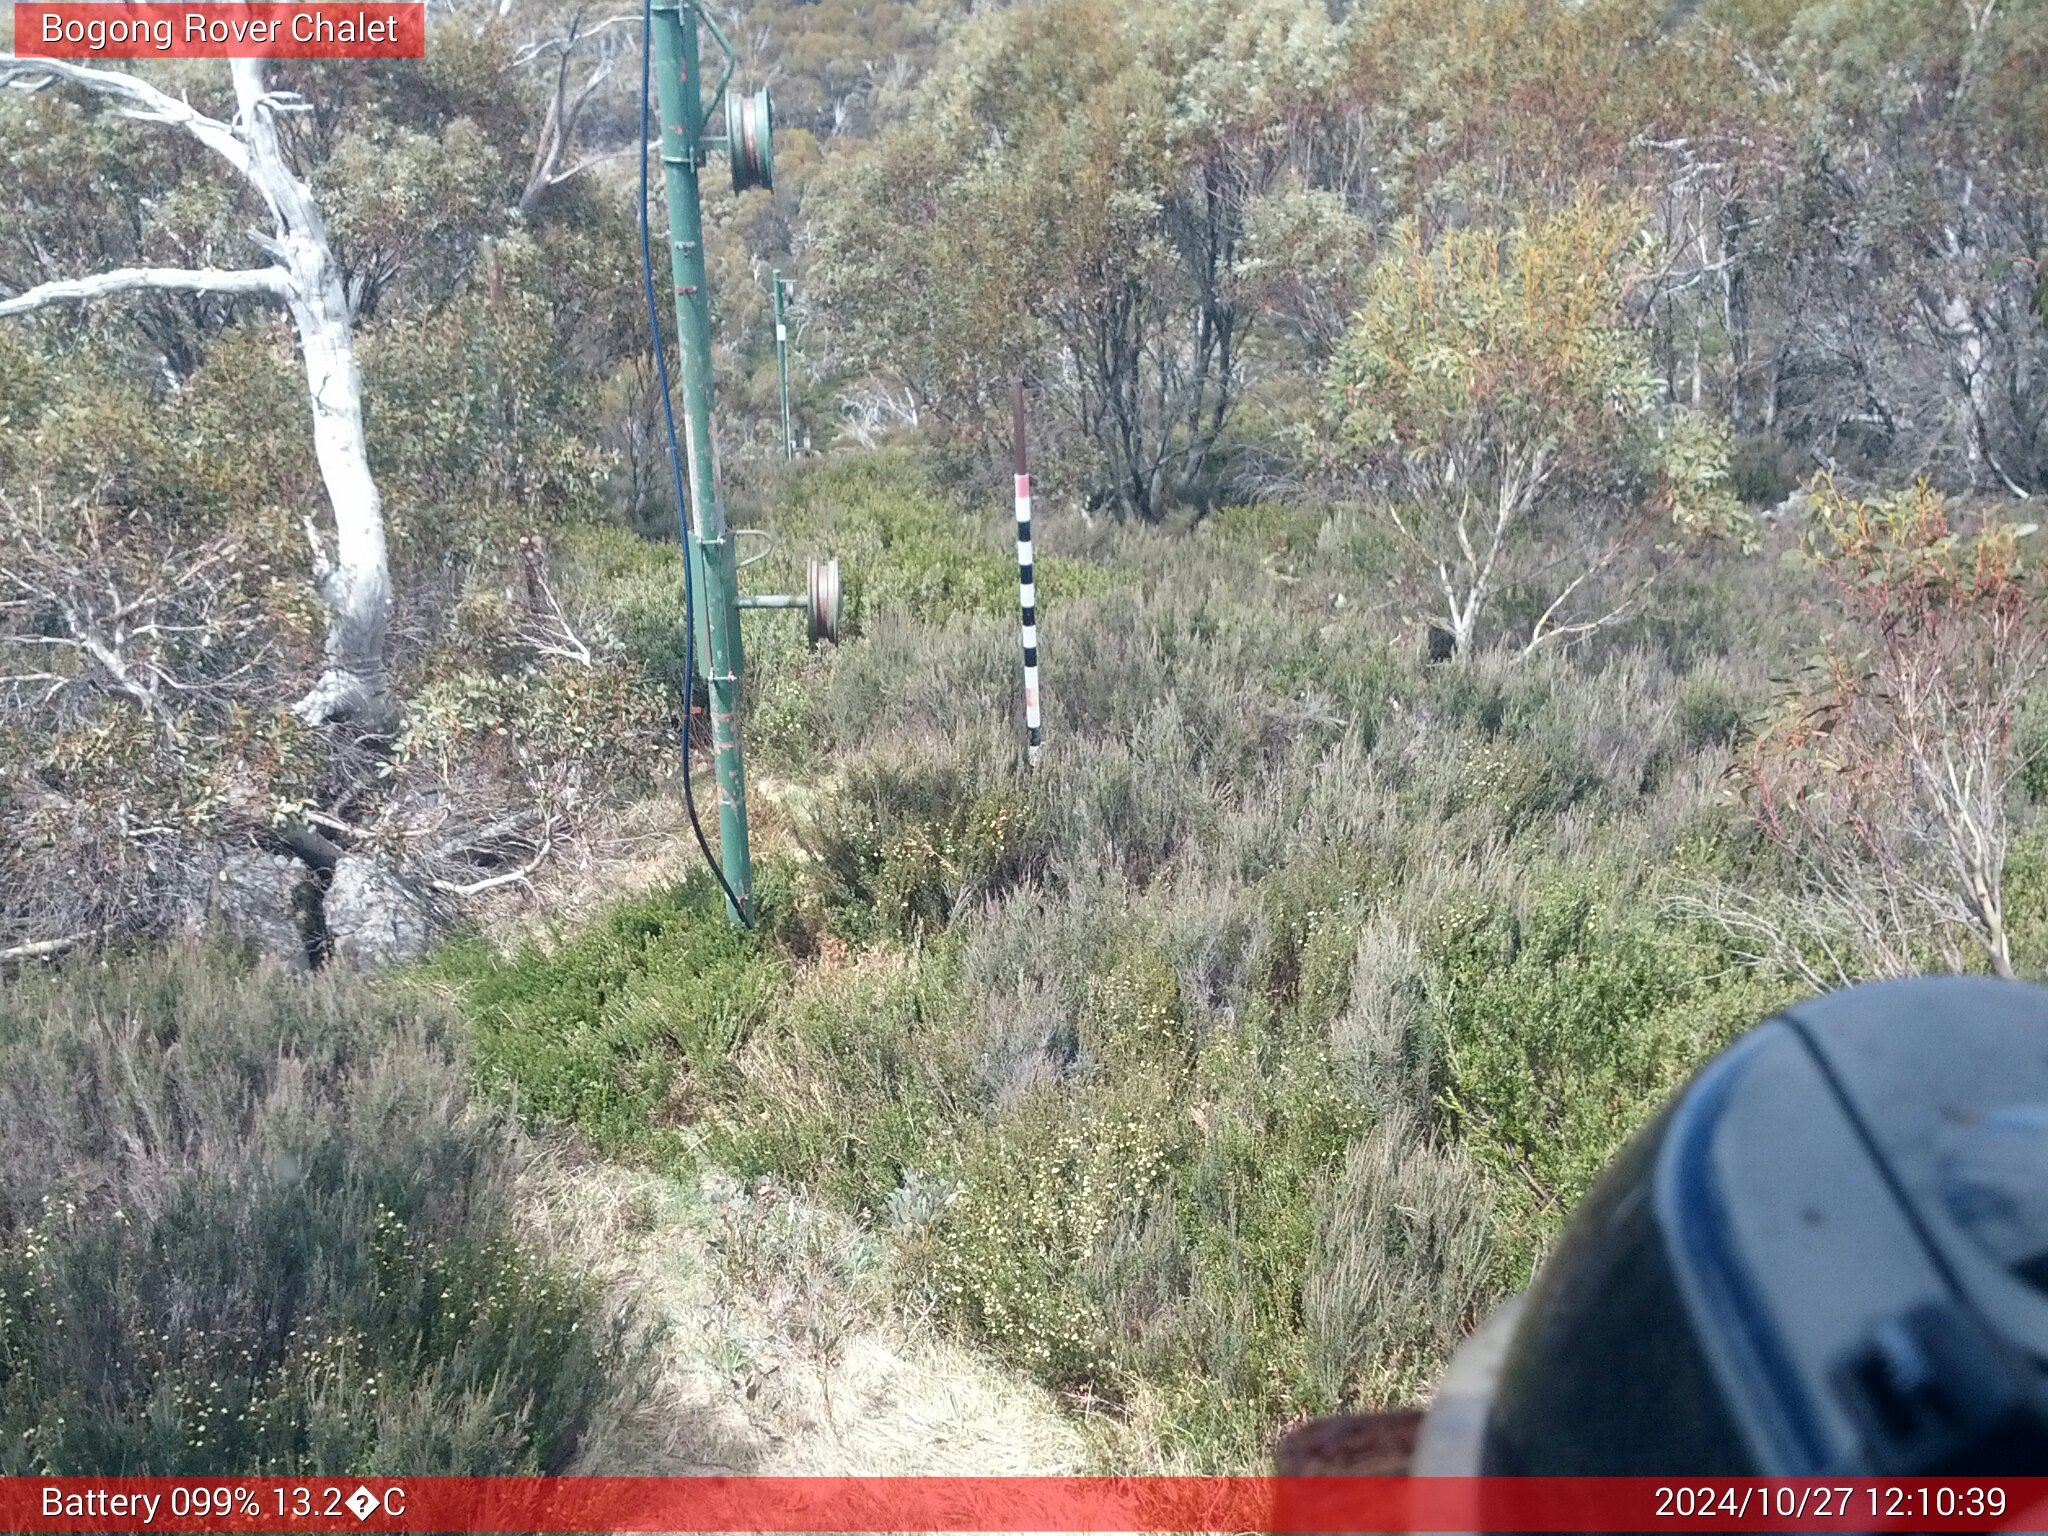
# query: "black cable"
675,459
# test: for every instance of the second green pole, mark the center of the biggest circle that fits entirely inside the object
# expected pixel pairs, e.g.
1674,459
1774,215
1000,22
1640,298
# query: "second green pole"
782,366
709,547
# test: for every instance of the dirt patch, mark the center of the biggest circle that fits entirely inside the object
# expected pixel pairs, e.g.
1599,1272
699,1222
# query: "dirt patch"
639,848
779,1352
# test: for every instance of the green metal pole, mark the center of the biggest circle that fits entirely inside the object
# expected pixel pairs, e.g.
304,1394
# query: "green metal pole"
710,547
782,368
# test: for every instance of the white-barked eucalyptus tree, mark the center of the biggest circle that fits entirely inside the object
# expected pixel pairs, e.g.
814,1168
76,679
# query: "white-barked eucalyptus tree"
353,577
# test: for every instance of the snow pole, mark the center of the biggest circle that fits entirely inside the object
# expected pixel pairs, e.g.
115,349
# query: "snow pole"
782,364
1027,585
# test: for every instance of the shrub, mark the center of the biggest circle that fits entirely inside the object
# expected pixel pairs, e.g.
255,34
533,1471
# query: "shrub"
542,724
1137,806
1763,470
1269,528
1313,909
1563,1028
1709,714
1039,1194
637,584
617,1031
906,547
1695,484
495,769
1273,1120
851,1088
2026,896
1382,1039
907,839
1514,781
1401,1267
1140,1217
2032,750
1492,382
250,1226
1152,1060
1885,785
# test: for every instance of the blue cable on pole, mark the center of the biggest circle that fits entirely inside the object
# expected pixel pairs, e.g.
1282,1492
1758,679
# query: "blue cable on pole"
675,461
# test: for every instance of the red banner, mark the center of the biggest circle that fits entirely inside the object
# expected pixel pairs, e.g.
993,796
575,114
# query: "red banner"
221,29
1044,1504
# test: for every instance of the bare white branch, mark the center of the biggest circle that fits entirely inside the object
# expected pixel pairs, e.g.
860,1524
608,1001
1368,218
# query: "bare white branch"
144,101
492,882
548,631
274,282
47,949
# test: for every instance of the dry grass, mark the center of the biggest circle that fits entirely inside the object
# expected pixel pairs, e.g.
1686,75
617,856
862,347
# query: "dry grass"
250,1223
779,1352
637,848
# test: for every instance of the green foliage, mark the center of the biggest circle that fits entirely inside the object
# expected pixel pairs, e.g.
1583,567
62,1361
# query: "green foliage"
1492,381
1146,1218
2032,751
1304,250
617,1029
1565,1027
158,613
1402,1264
541,723
1146,1214
1037,1201
1902,559
1275,1120
906,547
70,159
1512,341
1510,782
1269,529
404,203
1709,713
1694,481
1058,202
1140,1056
1136,1057
903,844
636,586
251,1228
155,456
472,416
850,1088
2026,898
1481,111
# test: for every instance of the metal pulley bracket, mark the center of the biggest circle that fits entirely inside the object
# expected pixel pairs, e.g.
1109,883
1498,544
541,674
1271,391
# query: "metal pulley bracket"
824,604
749,139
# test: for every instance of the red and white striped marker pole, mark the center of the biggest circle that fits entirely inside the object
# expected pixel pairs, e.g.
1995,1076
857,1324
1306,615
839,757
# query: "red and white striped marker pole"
1027,586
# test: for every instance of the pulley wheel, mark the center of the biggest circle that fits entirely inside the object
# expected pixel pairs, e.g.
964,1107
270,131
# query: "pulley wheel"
749,141
823,603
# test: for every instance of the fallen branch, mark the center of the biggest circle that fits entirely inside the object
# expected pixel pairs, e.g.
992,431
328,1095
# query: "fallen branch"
45,949
511,877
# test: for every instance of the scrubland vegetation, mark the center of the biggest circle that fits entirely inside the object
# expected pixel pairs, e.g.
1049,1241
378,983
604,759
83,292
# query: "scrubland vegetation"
1536,570
1231,1064
261,1228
